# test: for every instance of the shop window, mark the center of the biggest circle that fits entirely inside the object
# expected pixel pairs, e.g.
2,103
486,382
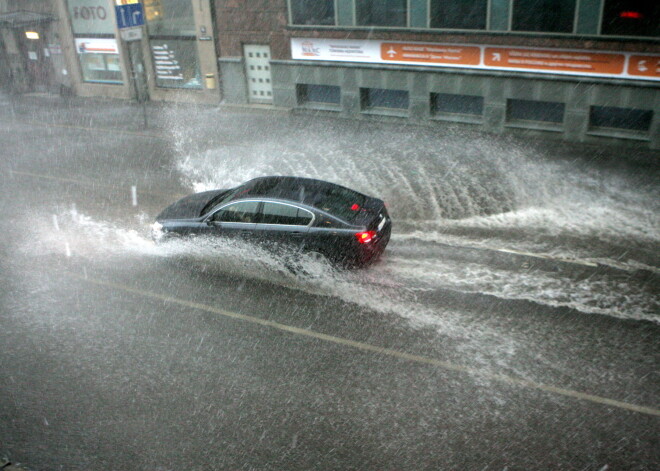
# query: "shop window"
374,98
312,12
551,16
468,14
173,41
444,103
631,18
99,60
381,12
318,94
176,64
535,111
628,119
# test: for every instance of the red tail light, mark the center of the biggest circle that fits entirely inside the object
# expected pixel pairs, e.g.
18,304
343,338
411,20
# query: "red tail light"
355,207
365,237
631,14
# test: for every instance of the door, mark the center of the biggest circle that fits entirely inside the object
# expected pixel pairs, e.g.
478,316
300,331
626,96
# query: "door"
283,225
257,71
236,220
138,72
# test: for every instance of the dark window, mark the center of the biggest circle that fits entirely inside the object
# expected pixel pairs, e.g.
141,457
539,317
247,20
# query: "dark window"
620,118
467,14
553,16
245,211
381,98
381,12
528,110
276,213
329,94
631,18
458,104
313,12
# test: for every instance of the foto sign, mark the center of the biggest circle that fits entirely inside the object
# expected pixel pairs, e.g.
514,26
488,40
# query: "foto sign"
129,16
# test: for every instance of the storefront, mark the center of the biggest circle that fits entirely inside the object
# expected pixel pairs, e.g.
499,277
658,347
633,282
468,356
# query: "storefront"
170,57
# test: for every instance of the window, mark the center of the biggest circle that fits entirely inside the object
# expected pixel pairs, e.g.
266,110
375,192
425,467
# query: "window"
381,98
326,94
381,12
170,17
173,40
552,16
277,213
631,18
620,118
176,64
467,14
244,211
99,60
456,104
313,12
528,110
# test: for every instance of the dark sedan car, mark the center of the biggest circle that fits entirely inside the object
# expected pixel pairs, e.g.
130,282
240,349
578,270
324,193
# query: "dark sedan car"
309,215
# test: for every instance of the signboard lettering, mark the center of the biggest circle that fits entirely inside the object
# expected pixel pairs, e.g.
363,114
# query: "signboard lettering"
91,17
547,61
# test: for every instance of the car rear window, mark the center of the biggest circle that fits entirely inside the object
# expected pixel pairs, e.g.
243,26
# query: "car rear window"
336,200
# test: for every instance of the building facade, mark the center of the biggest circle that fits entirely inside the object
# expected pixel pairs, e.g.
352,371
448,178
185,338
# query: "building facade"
580,70
77,47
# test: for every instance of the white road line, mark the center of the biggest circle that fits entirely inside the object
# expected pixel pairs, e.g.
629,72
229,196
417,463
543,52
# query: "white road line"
379,350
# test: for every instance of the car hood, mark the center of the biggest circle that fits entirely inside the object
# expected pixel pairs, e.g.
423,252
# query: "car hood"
189,207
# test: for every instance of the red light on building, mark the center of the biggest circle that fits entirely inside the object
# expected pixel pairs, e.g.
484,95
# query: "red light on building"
631,14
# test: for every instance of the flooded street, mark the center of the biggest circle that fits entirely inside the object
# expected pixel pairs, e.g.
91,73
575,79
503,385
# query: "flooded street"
512,323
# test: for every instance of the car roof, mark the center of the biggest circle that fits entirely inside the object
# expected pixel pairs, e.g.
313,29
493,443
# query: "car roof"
286,187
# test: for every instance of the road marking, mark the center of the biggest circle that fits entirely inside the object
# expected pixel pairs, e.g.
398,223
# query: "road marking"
91,183
375,349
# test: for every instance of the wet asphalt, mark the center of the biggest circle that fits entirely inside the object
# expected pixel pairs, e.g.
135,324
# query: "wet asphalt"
117,355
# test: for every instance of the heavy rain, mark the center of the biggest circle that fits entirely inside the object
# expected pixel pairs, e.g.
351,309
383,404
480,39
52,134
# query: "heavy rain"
512,322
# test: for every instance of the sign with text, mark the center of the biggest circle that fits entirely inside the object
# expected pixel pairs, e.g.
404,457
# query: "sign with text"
91,17
430,53
582,62
96,46
547,61
644,66
166,62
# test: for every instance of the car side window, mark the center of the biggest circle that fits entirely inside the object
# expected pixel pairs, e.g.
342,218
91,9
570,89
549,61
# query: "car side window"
244,211
277,213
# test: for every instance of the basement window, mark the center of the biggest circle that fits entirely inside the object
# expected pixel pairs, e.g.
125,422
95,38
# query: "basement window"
446,103
382,99
628,119
318,96
546,112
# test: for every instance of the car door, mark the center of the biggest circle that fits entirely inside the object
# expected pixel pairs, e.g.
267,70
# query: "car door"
283,224
234,220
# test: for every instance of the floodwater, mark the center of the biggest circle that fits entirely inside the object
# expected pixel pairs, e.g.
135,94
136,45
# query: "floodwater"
449,193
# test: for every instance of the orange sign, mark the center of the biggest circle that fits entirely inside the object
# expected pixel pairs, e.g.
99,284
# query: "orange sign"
430,53
586,62
647,66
